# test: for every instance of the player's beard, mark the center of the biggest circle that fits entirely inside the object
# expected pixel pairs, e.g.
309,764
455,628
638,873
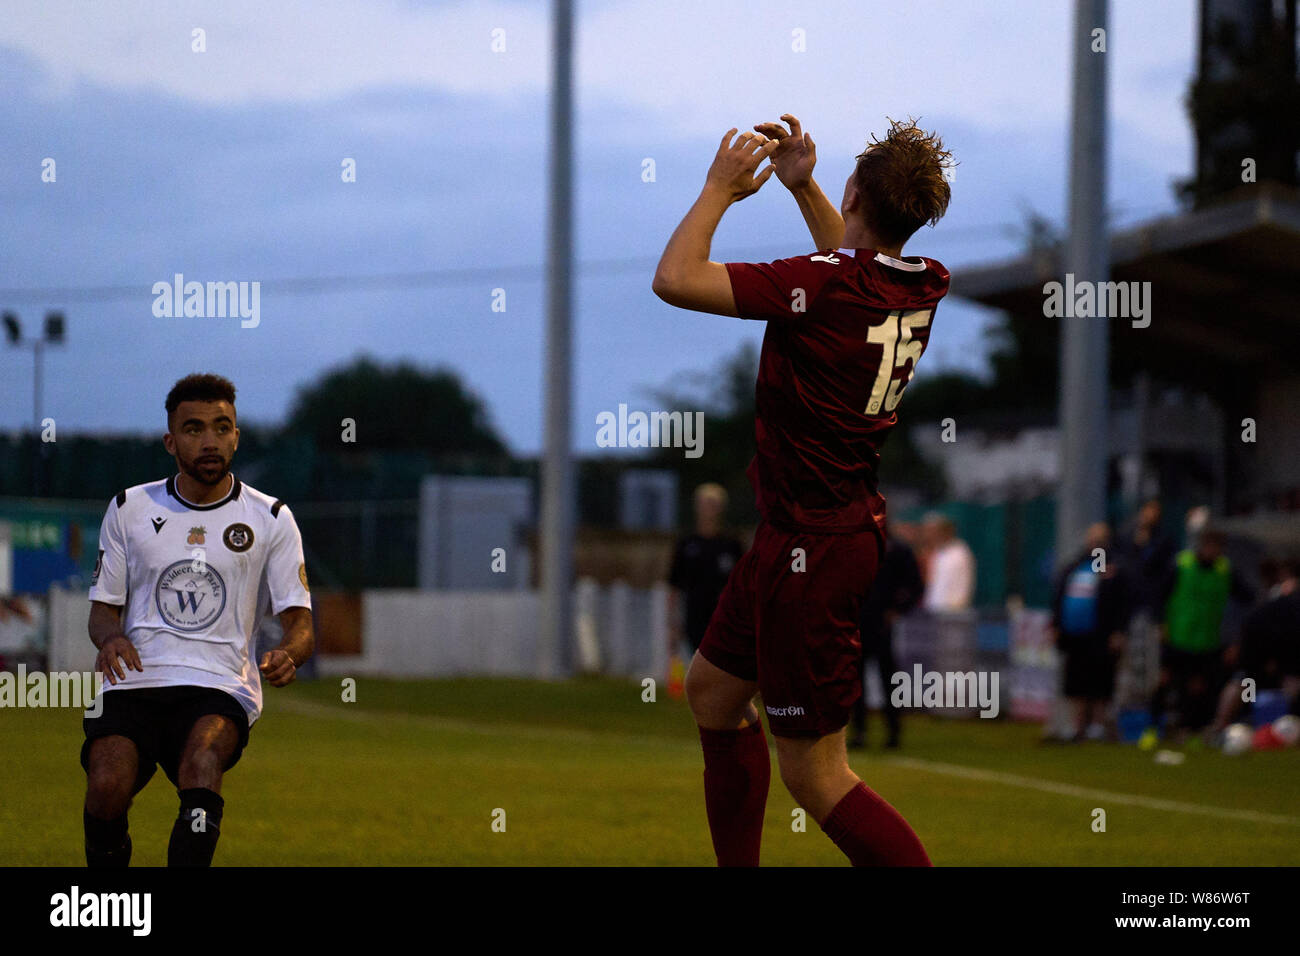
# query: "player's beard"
208,473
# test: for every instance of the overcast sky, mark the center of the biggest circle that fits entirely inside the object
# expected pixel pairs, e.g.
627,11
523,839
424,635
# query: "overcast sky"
225,165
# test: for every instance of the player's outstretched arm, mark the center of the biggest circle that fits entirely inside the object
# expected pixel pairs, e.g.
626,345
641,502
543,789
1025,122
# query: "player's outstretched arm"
794,159
686,277
280,665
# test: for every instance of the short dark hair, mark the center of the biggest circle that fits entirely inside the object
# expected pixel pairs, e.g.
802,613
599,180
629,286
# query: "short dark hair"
199,387
901,181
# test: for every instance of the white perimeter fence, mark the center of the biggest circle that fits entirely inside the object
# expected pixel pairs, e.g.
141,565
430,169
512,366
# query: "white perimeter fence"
619,631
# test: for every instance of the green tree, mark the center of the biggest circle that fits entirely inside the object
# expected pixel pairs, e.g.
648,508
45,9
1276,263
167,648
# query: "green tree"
726,396
394,407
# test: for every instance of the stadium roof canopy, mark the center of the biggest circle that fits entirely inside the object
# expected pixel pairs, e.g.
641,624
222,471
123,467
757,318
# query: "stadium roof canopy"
1225,284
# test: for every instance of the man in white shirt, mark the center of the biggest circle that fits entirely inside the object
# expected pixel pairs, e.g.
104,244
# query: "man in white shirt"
950,583
188,568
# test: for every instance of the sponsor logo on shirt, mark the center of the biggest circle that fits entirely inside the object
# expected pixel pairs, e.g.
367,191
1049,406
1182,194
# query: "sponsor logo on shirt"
190,595
238,537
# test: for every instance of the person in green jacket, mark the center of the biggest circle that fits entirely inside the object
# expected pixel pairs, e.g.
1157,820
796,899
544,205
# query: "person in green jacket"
1196,594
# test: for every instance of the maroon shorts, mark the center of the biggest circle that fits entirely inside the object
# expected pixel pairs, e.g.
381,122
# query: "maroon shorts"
789,620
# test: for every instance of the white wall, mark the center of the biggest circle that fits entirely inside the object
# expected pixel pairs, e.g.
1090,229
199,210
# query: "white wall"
976,465
70,647
411,633
452,633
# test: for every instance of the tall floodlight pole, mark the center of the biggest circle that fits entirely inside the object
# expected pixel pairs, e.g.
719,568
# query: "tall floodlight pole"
1085,341
557,461
53,335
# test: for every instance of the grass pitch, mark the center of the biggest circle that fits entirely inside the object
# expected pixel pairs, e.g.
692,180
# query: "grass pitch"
585,773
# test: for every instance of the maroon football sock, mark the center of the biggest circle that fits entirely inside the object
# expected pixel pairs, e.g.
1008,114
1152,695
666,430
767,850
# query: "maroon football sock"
736,776
871,832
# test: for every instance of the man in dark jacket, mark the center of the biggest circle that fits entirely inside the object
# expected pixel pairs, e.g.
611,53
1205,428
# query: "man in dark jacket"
701,564
1269,652
898,588
1089,613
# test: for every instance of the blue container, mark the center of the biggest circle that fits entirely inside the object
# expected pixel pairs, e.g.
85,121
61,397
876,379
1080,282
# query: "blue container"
1132,723
1269,706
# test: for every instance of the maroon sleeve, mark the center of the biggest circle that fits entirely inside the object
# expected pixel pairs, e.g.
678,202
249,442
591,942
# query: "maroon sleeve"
770,290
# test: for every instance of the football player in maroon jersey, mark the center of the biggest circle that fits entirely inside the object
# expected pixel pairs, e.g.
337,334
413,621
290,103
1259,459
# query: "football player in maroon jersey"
845,328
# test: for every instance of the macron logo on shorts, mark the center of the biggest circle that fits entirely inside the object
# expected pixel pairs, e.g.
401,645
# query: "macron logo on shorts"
792,711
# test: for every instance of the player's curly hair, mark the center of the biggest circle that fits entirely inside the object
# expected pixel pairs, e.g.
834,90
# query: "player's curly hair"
200,387
901,181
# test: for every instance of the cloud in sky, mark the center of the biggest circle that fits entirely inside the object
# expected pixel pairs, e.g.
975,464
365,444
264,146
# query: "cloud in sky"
227,162
997,64
295,51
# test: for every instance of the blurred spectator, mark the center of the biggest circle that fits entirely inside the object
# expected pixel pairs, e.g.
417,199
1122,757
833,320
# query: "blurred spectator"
1194,522
1195,597
1271,577
702,561
950,585
1089,612
1146,556
1269,652
908,533
896,590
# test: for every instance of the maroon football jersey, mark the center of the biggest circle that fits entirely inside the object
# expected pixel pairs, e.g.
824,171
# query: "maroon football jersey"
845,329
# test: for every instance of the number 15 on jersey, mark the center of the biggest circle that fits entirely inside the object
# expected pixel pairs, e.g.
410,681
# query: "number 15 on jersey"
894,336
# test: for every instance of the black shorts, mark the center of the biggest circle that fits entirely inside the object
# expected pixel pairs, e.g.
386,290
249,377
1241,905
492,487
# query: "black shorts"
158,720
1184,665
1089,667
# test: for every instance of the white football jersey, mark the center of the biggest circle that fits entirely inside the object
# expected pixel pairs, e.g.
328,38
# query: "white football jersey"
196,582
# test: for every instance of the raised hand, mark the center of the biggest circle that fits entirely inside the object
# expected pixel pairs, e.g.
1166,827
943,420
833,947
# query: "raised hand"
795,154
733,167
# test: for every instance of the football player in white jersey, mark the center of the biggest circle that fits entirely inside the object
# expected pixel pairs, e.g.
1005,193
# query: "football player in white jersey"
188,568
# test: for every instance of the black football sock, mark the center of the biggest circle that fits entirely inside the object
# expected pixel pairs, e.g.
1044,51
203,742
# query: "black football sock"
108,845
197,828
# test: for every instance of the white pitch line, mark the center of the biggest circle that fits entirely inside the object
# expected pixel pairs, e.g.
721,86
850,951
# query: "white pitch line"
1068,790
304,708
312,709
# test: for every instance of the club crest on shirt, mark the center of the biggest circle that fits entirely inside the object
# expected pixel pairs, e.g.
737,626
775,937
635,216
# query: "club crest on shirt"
99,566
190,595
196,535
238,537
